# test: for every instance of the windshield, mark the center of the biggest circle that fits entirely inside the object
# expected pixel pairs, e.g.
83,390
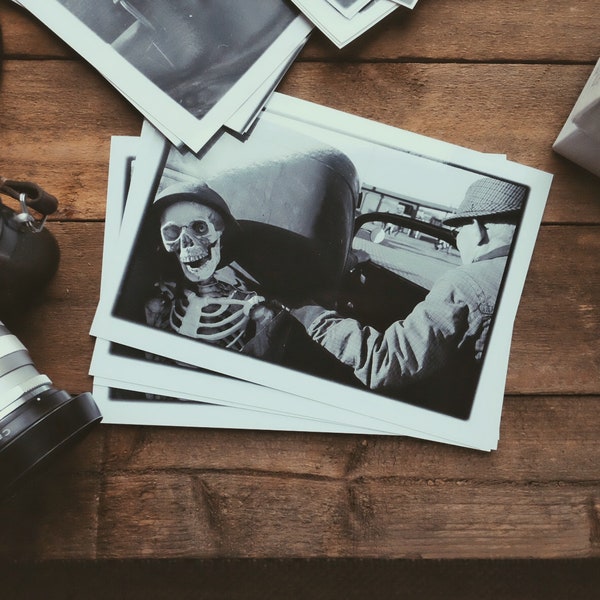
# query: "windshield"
419,257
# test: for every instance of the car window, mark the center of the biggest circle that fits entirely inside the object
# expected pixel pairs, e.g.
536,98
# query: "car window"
411,254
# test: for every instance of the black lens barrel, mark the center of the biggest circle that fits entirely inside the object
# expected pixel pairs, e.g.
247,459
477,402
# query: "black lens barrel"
36,419
39,429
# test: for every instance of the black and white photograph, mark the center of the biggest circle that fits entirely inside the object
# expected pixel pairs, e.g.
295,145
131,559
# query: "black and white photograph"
123,391
187,64
376,277
349,8
341,22
138,407
168,395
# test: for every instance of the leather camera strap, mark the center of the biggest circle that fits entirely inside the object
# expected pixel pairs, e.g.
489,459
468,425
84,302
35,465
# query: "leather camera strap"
35,197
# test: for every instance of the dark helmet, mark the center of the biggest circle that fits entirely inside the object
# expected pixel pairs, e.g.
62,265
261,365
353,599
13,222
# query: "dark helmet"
200,193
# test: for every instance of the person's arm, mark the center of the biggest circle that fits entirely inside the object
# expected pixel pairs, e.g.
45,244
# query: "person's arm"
407,350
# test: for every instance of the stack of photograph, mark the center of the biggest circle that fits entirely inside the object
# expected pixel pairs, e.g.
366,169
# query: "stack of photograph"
342,21
321,273
270,263
190,67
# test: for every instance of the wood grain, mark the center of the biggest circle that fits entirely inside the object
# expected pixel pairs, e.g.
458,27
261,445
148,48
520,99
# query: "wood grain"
544,440
177,493
59,137
54,516
494,76
208,514
477,31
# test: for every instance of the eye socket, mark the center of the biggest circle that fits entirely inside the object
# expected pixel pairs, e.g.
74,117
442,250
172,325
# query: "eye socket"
171,232
199,227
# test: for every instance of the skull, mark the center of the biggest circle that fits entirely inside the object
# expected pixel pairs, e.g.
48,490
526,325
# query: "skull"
193,233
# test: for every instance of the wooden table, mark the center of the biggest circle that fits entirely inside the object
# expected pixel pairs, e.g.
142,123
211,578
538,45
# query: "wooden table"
157,512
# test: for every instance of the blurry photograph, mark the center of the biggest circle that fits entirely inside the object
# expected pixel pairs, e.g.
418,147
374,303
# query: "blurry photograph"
188,65
349,8
332,17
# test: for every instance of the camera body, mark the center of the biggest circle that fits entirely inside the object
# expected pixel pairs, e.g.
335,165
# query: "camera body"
36,419
29,254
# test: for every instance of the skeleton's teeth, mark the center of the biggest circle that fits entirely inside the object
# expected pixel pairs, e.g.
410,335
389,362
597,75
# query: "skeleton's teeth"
197,263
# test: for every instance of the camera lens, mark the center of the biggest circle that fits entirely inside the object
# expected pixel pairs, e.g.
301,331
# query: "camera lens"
36,419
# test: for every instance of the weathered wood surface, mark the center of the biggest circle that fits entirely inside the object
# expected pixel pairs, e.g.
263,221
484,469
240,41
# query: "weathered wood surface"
494,76
179,493
61,136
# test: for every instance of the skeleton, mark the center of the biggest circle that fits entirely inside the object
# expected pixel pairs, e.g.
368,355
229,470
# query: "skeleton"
211,307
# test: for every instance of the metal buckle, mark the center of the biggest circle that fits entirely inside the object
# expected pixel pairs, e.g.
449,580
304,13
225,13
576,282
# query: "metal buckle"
26,219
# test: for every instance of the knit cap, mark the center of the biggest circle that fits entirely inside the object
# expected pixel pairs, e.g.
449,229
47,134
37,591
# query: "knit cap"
489,197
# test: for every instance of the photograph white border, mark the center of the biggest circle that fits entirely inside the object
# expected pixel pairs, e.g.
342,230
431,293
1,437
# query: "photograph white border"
482,428
113,371
350,10
176,413
339,29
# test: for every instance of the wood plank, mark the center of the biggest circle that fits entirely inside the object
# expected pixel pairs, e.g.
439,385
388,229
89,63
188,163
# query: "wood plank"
212,515
559,283
169,493
558,322
58,136
54,135
436,29
543,440
471,30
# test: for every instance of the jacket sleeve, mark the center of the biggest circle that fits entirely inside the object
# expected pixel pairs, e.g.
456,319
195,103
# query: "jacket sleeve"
406,351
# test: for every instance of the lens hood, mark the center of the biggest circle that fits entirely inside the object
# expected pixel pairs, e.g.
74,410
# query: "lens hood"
38,430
